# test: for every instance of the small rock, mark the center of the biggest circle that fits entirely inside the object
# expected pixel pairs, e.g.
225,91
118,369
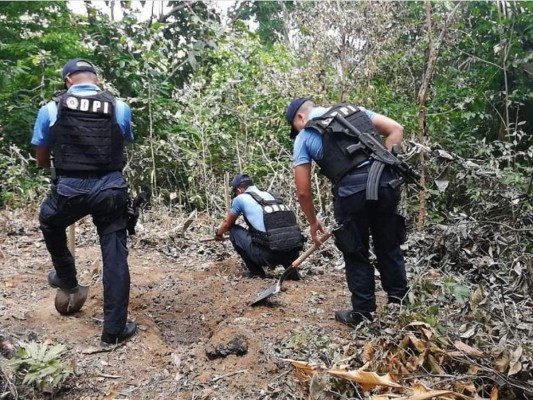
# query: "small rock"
238,346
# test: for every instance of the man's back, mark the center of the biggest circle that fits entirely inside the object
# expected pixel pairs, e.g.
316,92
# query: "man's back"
244,204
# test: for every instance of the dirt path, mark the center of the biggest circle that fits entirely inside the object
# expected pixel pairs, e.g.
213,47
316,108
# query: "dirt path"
183,304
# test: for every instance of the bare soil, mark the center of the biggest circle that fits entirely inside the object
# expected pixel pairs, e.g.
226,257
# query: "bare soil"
185,296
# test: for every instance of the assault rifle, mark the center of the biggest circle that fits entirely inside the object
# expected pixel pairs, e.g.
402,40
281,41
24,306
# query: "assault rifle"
132,210
375,149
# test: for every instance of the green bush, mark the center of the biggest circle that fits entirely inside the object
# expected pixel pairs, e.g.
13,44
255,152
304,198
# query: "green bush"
39,366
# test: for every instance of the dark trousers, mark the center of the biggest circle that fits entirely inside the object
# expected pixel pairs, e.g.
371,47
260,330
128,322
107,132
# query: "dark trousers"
105,199
359,218
255,256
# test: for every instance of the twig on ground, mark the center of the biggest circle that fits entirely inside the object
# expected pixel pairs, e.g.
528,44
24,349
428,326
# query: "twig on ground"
242,371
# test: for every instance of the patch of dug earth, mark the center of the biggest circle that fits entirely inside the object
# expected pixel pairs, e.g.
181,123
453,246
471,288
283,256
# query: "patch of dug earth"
185,307
200,339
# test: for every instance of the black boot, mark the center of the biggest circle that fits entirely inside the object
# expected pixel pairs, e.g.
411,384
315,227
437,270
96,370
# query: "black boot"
255,272
129,330
56,282
352,318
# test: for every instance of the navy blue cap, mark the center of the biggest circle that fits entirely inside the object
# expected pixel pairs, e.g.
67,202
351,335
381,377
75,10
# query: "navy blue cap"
291,113
77,65
239,180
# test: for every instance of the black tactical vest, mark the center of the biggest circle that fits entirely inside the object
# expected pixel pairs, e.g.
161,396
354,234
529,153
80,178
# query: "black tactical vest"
282,231
337,160
86,136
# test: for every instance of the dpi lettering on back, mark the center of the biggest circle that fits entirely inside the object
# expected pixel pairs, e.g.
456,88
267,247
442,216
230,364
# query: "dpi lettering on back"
88,105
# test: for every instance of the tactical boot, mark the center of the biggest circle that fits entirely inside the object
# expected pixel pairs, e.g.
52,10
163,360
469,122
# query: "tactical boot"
129,330
255,272
56,282
352,318
68,300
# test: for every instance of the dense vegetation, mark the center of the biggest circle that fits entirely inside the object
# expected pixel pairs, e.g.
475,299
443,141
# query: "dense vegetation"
209,95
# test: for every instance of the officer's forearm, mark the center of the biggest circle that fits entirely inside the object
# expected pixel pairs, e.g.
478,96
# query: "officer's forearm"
394,138
225,226
307,206
42,155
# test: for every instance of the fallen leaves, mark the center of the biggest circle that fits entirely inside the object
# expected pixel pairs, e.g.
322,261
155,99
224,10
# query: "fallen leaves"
421,365
469,350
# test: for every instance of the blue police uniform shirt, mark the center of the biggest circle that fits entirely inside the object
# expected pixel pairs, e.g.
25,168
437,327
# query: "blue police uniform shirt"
245,204
48,114
308,143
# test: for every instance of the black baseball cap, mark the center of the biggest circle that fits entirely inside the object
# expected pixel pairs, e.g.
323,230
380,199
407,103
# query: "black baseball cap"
77,65
238,180
291,113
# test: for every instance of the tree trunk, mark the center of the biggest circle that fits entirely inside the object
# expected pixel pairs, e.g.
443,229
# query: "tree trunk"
422,95
433,49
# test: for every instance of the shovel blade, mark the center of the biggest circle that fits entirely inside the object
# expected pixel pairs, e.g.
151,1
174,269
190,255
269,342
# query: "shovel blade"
70,303
267,293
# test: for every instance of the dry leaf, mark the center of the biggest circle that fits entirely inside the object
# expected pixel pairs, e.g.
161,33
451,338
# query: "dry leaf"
427,396
469,387
476,298
368,352
428,333
515,364
367,380
502,362
469,333
494,393
419,323
469,350
304,370
434,365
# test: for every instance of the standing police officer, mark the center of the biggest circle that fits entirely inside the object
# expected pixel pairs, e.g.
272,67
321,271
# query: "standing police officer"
273,237
349,169
83,132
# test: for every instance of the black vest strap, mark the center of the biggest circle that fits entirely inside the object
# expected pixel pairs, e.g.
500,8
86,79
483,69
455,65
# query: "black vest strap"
341,151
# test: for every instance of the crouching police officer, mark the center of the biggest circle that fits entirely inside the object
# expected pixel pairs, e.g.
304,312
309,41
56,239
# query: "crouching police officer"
342,160
83,132
273,237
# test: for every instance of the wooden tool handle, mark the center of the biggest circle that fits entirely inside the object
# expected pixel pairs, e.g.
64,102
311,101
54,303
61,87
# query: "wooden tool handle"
310,250
211,239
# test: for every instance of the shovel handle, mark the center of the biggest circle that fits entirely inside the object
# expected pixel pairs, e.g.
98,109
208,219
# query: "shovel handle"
211,239
296,263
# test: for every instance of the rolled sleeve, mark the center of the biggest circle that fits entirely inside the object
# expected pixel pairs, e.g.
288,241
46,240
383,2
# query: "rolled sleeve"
307,147
123,116
237,206
370,114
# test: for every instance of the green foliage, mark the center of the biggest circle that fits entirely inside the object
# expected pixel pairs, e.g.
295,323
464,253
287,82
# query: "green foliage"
17,185
35,40
209,98
269,16
460,292
40,366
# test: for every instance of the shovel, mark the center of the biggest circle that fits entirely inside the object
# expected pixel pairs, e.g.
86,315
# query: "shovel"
295,265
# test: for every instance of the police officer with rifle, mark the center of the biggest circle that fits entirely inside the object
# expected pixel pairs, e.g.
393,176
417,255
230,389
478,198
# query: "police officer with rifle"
273,237
344,141
84,129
